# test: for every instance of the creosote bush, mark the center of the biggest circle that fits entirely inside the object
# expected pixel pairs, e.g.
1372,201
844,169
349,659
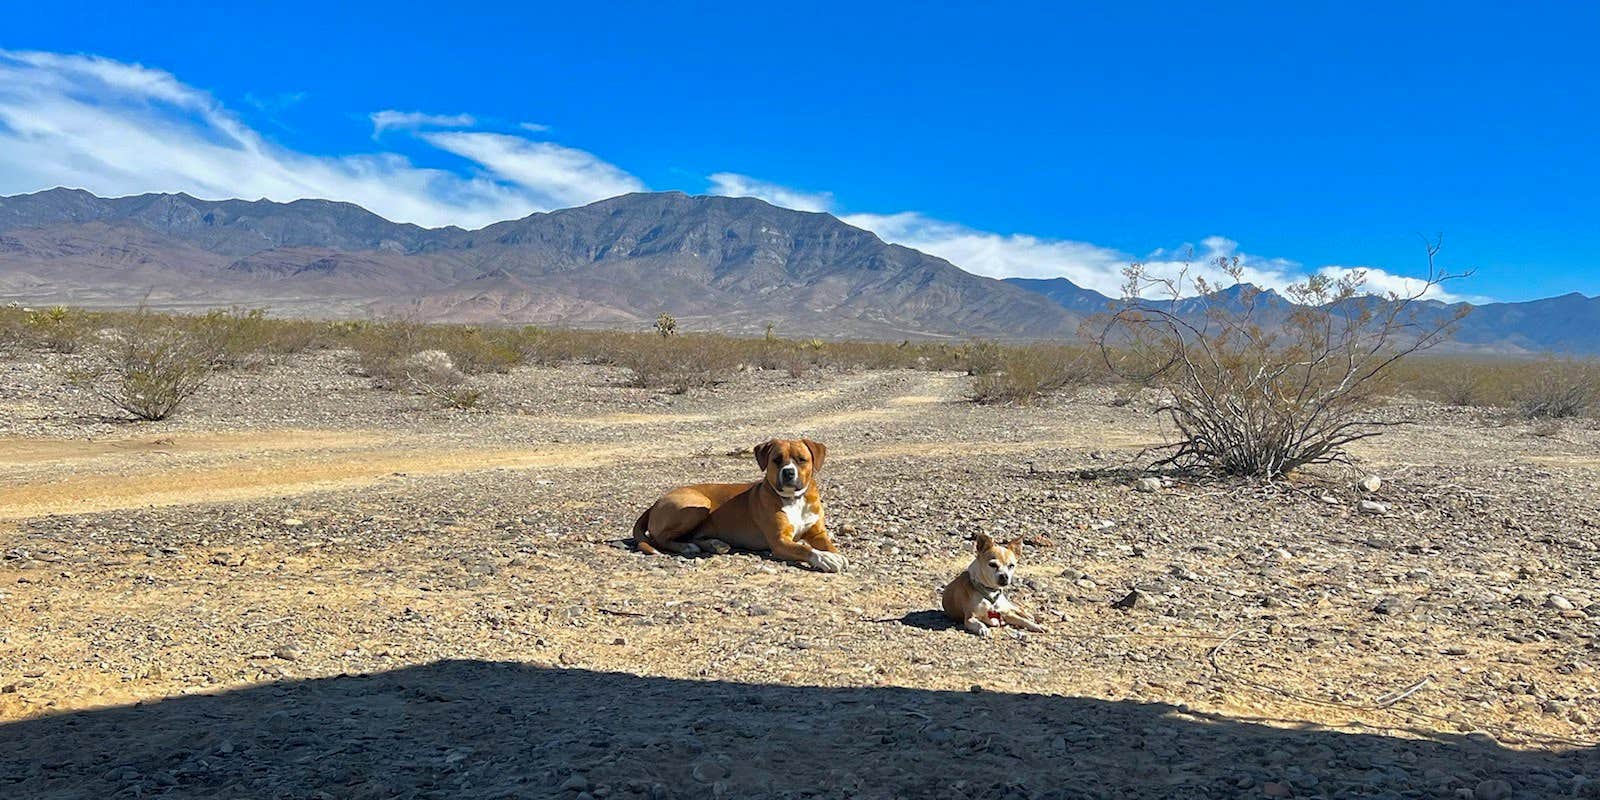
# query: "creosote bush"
148,366
1557,388
1025,375
1260,388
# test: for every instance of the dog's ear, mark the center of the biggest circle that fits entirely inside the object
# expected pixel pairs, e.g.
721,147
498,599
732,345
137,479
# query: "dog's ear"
1015,546
982,542
819,451
764,453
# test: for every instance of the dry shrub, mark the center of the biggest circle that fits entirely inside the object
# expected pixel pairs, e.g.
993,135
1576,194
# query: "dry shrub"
678,363
1557,388
1025,375
432,373
983,357
248,338
1254,394
57,328
148,366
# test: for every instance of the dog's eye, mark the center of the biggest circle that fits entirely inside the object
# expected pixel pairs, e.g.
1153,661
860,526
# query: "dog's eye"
994,564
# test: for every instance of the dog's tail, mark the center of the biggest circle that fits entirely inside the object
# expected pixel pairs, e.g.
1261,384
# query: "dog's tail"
641,535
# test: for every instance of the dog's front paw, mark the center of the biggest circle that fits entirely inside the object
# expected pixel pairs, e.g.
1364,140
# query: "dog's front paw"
689,549
829,562
717,546
977,627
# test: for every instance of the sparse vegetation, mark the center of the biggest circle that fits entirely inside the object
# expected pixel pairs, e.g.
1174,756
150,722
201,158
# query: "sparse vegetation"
1025,375
147,366
1260,399
1557,388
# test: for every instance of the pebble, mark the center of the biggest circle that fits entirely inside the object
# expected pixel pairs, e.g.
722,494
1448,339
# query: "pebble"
1148,484
1392,606
1491,789
1559,603
1370,484
1373,507
1134,601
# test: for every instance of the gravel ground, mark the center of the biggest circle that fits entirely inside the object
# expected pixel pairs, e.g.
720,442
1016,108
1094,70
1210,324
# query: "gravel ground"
303,587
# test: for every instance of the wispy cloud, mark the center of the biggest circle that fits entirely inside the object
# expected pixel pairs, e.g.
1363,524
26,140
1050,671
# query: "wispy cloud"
389,119
1020,255
534,127
732,184
117,129
555,176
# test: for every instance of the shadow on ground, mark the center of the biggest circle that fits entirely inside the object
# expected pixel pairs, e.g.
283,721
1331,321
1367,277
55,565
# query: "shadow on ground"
470,729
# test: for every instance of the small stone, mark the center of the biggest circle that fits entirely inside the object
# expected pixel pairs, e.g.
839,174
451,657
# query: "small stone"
1369,485
709,772
1391,606
291,522
289,652
1559,603
1134,601
1373,507
576,783
1148,484
1491,789
1275,789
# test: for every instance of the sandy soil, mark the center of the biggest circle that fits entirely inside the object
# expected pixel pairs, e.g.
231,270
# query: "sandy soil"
301,585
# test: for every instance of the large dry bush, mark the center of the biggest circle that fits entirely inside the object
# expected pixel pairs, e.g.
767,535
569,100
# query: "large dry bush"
147,366
678,363
1556,388
1260,388
1025,375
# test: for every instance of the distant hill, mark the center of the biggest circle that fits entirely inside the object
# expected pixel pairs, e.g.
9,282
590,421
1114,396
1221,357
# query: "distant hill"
716,263
1566,324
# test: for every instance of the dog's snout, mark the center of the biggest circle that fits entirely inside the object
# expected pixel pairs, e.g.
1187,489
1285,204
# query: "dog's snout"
1003,579
789,471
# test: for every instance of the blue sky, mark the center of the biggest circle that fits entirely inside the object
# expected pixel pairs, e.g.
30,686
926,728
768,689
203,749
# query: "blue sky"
1011,138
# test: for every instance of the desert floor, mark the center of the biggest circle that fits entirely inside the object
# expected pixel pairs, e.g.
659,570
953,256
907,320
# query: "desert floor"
303,587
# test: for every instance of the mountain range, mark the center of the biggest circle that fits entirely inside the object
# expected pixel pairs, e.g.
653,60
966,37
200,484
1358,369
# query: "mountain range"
715,263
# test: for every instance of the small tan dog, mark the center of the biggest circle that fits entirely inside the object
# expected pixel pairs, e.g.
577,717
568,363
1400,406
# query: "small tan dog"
976,598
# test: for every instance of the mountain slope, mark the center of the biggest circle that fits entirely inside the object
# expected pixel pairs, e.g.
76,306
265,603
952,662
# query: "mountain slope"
1566,324
717,263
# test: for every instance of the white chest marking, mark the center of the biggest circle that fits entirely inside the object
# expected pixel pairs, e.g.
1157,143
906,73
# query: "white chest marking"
800,515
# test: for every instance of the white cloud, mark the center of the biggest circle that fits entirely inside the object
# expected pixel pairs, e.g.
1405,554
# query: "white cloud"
534,127
1378,281
389,119
555,176
119,129
1092,266
732,184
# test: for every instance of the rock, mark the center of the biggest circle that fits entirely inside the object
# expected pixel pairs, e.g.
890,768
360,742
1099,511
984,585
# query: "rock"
1369,485
576,783
1134,601
1491,789
1373,507
1559,603
1148,484
1392,606
1275,789
709,772
291,522
290,652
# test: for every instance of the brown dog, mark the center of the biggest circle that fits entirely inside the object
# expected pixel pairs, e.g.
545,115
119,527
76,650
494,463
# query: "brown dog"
782,512
976,598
